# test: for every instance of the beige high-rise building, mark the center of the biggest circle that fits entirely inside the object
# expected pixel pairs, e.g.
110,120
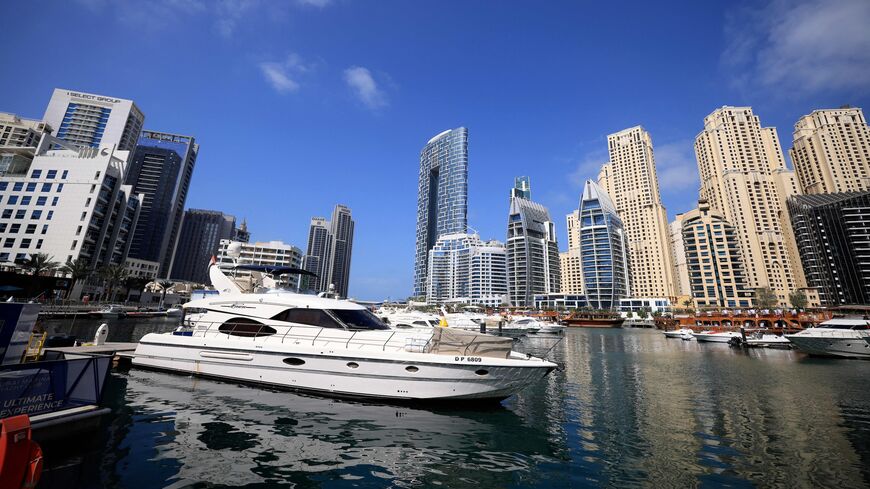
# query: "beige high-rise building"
681,269
631,182
572,275
743,175
831,151
573,227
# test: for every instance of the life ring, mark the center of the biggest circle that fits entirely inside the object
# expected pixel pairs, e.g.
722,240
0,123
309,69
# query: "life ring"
34,467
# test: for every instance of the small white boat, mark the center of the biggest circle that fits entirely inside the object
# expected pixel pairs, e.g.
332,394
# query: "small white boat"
840,337
716,336
687,335
522,325
174,312
677,333
768,340
551,328
110,311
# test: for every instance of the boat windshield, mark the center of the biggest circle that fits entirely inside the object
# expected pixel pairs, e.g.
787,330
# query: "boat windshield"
844,326
358,319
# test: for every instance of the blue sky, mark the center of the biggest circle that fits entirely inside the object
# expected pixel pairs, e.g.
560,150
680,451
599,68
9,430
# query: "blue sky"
301,104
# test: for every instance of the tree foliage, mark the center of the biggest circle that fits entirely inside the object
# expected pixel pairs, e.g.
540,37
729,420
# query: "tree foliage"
39,263
765,298
798,299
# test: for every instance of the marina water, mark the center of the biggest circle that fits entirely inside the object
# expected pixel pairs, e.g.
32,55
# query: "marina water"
628,408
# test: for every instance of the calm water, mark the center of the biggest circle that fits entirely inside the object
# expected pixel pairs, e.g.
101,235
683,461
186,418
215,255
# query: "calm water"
630,408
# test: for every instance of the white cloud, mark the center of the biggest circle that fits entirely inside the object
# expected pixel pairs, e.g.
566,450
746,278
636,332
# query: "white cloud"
224,15
283,75
363,84
315,3
676,167
800,46
588,167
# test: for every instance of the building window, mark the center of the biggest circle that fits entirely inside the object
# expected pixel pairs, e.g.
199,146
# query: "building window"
17,186
13,199
14,228
64,174
50,215
25,200
31,186
19,214
25,243
44,229
46,187
7,213
51,174
31,229
39,244
54,201
4,185
9,243
36,214
41,200
60,187
35,173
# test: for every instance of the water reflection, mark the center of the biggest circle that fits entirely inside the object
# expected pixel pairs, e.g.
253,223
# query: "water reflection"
627,408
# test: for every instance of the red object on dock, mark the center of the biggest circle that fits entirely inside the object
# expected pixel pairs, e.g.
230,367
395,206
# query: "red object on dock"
20,457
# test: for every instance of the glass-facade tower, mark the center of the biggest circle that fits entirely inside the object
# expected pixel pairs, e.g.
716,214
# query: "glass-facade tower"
442,196
603,251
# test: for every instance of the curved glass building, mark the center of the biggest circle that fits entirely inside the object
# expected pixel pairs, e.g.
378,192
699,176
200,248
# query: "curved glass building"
442,196
603,249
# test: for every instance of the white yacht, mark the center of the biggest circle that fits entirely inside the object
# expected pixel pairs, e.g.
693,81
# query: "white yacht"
408,319
522,325
768,340
334,347
678,333
840,337
716,336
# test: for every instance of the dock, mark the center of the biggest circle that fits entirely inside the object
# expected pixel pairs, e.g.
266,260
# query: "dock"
108,348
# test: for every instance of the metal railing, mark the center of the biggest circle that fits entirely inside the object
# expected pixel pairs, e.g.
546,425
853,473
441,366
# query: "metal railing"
294,333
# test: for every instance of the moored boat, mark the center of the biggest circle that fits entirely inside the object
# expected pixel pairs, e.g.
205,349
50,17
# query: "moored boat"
593,320
678,333
838,337
335,347
716,336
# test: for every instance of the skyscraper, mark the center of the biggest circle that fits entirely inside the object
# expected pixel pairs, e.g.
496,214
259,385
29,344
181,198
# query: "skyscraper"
717,276
532,249
201,233
831,151
94,120
833,237
442,196
569,261
160,169
318,257
462,268
68,202
341,229
603,254
330,246
743,175
681,270
631,182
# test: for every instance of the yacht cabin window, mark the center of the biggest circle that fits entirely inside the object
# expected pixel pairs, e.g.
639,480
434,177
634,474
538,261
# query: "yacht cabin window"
246,327
358,319
311,317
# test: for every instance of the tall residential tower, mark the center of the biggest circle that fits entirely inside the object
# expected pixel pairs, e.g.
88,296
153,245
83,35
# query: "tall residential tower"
160,169
743,175
603,254
831,151
631,182
442,196
532,248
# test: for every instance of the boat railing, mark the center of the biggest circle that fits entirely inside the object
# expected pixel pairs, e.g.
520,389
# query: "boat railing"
302,333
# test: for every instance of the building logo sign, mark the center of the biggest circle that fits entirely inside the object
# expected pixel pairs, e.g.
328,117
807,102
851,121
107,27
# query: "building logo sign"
96,98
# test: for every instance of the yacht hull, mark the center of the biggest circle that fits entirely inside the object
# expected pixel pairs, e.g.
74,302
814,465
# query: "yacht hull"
831,347
352,374
714,338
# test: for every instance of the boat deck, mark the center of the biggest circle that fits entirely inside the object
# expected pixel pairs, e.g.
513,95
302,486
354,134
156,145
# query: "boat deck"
114,348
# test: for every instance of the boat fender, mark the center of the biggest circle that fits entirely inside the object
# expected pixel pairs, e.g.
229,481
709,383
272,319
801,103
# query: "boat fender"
20,457
102,334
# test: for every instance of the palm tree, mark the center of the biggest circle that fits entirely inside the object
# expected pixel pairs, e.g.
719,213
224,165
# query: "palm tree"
112,276
76,269
39,263
765,298
137,283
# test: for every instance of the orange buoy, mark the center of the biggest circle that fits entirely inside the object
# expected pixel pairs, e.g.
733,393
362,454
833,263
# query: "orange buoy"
20,457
